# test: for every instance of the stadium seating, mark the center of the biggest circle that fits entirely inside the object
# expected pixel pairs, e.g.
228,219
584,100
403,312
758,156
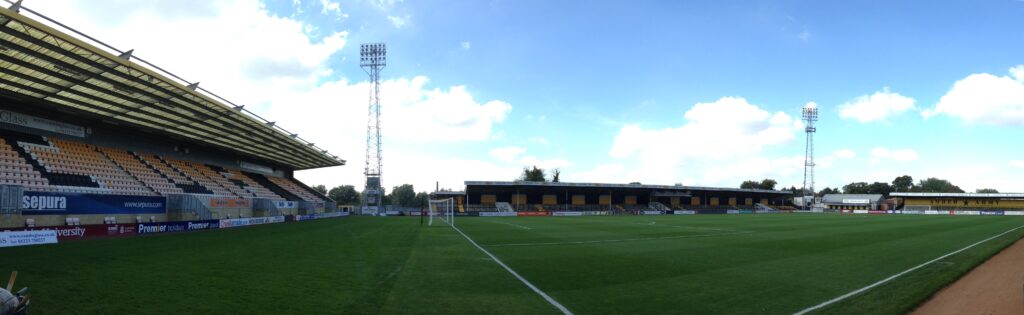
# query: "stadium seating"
15,171
144,173
248,183
295,189
56,165
198,177
179,179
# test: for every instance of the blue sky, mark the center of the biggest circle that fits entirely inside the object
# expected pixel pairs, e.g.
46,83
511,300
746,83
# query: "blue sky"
701,93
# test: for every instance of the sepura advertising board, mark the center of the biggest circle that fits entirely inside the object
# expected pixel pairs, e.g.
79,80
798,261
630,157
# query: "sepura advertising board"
51,203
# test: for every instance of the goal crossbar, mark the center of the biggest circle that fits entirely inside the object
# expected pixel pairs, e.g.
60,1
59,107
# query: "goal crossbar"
442,210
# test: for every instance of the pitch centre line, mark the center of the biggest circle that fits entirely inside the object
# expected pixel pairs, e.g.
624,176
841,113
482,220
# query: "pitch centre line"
890,278
546,297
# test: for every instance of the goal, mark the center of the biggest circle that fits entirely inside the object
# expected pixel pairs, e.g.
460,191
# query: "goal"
442,210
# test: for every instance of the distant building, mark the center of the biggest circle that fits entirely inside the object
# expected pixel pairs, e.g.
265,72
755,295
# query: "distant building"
852,201
960,201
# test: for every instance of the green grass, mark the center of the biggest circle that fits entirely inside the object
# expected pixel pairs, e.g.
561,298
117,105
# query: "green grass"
775,264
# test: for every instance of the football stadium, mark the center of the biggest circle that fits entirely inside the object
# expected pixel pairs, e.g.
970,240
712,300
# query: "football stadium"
126,189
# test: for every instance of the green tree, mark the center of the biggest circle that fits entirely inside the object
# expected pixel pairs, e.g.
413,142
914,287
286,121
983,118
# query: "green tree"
903,183
534,174
422,198
987,191
404,196
856,188
937,185
344,195
320,188
750,184
767,184
880,188
828,191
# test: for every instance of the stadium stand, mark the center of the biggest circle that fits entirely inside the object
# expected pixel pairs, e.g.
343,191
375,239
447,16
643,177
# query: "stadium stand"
613,198
93,135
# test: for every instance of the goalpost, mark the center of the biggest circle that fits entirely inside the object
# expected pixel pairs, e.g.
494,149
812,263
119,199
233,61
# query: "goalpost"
442,210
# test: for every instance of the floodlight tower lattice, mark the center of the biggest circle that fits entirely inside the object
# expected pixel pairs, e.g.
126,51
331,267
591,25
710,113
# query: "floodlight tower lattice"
373,58
810,116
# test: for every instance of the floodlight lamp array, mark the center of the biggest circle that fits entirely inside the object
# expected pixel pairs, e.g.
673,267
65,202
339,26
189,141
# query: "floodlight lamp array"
810,113
372,54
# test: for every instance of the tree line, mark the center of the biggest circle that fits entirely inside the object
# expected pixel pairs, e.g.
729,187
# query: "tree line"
903,183
403,196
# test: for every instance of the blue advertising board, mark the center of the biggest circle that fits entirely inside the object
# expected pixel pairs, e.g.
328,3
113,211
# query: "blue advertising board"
177,226
52,203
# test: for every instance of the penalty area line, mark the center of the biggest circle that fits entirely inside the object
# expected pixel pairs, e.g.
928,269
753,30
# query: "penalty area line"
890,278
546,297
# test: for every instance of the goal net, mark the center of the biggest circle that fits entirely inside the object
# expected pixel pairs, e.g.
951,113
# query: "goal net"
442,211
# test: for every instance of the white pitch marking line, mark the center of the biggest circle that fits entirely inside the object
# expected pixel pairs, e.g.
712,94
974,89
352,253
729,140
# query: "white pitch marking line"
883,281
512,224
619,240
554,303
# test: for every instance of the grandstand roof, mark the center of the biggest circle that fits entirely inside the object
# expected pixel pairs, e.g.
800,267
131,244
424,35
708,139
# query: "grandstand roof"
621,186
41,63
956,195
851,198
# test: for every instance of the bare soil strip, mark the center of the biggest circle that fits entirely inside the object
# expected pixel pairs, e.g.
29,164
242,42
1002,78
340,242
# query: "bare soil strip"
994,287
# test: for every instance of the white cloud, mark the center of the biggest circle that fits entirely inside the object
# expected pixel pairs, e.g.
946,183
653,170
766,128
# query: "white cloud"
272,65
599,174
398,21
466,45
876,107
256,53
513,155
328,6
804,35
1017,163
880,154
507,154
845,154
729,131
385,4
539,140
985,98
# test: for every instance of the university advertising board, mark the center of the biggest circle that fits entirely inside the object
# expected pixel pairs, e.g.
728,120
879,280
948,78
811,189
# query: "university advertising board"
81,232
52,203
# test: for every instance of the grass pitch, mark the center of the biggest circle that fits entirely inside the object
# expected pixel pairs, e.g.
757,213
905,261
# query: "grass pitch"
776,264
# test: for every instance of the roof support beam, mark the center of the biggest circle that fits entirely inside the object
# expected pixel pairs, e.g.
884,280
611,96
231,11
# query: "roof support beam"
198,108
